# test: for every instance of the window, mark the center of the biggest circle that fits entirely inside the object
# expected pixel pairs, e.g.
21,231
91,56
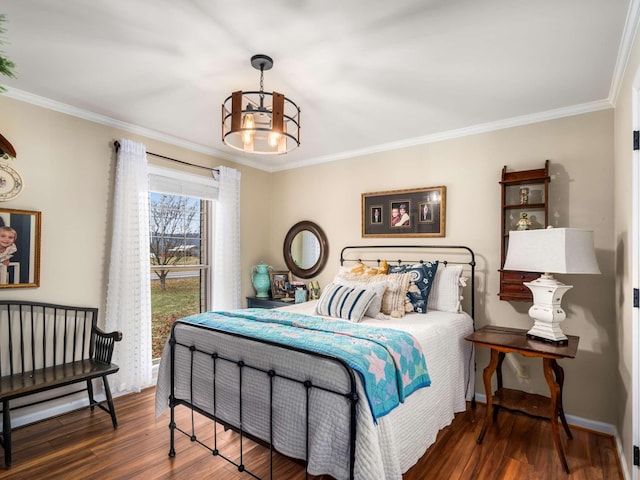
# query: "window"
179,251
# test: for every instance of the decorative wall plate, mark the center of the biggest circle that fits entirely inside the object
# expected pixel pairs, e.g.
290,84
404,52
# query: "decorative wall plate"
10,183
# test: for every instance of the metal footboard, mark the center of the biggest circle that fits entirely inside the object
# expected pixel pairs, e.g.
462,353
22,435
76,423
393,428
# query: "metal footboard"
217,361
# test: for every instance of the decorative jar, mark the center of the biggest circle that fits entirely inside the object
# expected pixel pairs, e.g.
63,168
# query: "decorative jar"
260,279
301,295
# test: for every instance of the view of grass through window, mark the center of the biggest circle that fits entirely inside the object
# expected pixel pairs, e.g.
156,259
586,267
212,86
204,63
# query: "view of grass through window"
180,298
177,262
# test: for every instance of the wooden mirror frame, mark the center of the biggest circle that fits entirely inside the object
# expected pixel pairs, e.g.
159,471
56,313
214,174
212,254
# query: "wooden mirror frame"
324,249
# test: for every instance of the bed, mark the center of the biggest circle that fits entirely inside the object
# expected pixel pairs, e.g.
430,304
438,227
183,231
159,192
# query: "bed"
312,405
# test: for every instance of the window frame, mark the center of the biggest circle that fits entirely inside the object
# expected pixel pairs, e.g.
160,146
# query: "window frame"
180,182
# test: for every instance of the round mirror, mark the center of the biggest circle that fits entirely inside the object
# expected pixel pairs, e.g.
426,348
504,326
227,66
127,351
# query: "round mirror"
305,249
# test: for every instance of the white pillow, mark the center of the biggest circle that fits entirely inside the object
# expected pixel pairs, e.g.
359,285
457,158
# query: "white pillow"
376,287
446,289
344,302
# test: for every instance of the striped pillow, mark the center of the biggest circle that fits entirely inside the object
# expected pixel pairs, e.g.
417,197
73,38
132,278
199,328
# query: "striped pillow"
378,288
394,301
344,302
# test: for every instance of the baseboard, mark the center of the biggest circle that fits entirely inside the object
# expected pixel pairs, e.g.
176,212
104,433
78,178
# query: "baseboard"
29,415
600,427
623,461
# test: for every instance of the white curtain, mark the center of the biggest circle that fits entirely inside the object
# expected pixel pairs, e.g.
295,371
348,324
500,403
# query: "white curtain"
226,276
129,291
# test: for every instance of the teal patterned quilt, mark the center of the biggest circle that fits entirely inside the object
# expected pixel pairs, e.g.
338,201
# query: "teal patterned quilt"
390,362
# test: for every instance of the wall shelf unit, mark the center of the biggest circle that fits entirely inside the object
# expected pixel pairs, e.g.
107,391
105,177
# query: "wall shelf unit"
524,191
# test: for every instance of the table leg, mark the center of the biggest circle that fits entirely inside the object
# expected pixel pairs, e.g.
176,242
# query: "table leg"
486,375
501,356
496,408
559,371
554,389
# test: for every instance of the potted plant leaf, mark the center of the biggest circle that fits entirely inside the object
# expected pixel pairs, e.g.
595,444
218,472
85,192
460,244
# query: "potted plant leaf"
6,65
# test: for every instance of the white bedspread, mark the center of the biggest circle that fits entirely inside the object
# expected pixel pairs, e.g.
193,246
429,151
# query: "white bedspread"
383,451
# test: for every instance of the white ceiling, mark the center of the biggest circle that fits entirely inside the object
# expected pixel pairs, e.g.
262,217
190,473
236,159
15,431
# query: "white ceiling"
369,75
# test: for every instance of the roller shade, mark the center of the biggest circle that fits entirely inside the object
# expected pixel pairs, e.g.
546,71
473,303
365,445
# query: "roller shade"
174,182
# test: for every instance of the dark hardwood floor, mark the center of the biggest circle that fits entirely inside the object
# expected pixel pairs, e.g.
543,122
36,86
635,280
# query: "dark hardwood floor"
83,445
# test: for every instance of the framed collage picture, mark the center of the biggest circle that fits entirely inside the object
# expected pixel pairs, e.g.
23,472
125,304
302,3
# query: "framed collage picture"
418,212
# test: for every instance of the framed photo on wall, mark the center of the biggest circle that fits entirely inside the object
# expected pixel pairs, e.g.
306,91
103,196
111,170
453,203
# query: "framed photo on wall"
280,283
19,248
418,212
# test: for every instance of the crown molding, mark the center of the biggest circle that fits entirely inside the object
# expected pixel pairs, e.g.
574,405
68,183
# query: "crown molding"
624,50
410,142
460,132
54,105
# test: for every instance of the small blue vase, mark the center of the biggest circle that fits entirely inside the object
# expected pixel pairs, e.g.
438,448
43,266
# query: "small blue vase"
260,280
301,295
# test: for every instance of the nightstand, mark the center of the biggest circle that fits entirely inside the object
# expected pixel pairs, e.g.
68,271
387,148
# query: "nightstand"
255,302
503,340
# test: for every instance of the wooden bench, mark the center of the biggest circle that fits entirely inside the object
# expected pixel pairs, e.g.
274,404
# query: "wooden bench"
44,347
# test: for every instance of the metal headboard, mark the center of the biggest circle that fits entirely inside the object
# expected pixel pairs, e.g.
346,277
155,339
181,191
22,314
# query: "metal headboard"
470,259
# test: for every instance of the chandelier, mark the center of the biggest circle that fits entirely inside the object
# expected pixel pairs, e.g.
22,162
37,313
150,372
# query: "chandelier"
260,122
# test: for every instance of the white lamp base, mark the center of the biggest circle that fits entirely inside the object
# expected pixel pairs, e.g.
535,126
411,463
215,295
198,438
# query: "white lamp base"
546,311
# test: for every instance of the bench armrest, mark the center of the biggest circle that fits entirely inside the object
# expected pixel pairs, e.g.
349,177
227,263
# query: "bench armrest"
104,343
116,335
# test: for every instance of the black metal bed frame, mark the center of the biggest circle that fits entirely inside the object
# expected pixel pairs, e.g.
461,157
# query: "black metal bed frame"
350,394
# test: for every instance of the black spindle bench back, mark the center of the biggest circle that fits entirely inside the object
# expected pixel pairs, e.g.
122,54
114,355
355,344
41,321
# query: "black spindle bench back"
35,336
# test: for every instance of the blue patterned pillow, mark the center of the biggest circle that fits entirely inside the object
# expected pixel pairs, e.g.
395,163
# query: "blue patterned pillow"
344,302
422,275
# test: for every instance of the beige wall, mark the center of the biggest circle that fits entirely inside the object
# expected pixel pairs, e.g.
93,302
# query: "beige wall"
622,245
580,149
68,167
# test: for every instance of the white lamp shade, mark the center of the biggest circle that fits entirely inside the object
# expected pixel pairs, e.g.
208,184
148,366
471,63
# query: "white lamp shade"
552,250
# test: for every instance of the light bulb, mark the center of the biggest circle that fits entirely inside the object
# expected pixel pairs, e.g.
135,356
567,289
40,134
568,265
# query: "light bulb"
282,139
274,137
248,121
248,124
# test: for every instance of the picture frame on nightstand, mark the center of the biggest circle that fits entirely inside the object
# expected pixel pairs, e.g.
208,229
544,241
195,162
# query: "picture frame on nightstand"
280,283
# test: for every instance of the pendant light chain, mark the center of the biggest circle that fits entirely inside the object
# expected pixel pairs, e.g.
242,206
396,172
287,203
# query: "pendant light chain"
262,85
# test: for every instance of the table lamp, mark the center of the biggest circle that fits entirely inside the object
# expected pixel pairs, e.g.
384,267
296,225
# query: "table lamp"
552,250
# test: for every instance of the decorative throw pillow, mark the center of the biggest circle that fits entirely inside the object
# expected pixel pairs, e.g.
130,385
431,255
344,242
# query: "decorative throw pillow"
446,289
377,287
344,302
422,275
394,301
